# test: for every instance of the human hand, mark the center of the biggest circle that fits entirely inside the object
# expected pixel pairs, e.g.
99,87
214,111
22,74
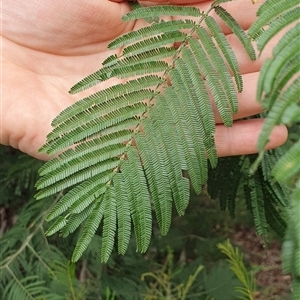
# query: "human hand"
48,46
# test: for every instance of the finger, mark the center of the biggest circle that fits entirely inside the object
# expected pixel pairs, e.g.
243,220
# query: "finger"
242,137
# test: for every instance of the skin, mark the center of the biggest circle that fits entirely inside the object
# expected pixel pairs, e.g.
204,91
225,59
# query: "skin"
47,46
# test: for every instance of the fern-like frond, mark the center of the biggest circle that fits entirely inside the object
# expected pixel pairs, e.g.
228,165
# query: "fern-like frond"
274,216
84,130
288,166
280,193
288,71
89,229
224,180
115,91
135,5
185,115
155,54
284,111
139,199
278,91
269,11
237,30
162,10
149,31
75,220
81,195
109,224
106,107
277,25
216,32
123,214
140,69
172,160
153,43
30,287
79,177
155,170
57,225
276,66
213,82
255,198
220,69
148,140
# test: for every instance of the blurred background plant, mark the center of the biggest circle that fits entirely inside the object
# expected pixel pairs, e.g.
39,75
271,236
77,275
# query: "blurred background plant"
186,264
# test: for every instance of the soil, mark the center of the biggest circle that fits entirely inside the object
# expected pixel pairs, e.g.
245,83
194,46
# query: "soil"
265,260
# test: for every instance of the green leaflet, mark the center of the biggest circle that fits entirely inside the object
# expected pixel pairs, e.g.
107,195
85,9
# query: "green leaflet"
91,225
213,82
277,25
140,207
88,129
91,80
269,11
123,214
185,115
288,166
109,224
226,50
155,54
157,28
274,216
290,68
284,111
162,10
59,223
109,110
51,188
155,170
276,66
86,191
75,220
106,95
135,4
224,181
172,159
220,69
88,150
153,43
255,198
290,37
237,30
280,193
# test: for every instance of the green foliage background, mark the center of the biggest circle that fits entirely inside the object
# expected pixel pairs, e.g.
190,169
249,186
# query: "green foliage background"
34,266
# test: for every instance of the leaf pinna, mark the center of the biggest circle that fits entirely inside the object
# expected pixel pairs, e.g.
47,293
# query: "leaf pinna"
144,143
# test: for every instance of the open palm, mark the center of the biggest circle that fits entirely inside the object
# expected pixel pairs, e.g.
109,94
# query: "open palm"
49,45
